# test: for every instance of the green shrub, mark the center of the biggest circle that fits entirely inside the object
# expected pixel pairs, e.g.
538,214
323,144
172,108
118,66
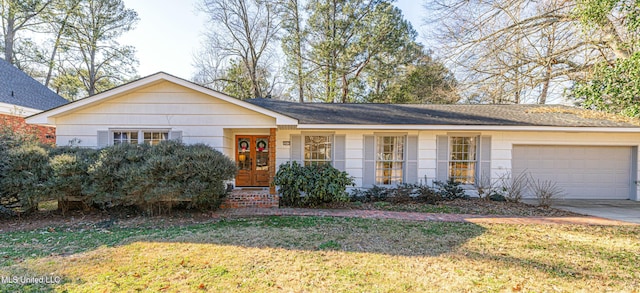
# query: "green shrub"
144,176
174,173
450,190
496,196
376,193
401,193
290,180
69,174
111,175
11,139
426,194
311,185
325,184
155,178
25,171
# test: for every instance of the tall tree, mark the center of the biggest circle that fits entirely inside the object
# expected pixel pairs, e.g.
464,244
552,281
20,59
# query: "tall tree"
237,83
293,45
613,85
59,23
97,58
345,39
423,81
243,30
513,51
18,16
615,24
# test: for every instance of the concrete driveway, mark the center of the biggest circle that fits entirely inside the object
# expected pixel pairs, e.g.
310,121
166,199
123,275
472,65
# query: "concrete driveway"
621,210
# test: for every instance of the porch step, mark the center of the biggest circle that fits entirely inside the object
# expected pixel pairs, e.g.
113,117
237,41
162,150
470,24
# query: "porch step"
250,198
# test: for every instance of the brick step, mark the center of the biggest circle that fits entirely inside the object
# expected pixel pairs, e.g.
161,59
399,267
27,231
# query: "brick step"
242,198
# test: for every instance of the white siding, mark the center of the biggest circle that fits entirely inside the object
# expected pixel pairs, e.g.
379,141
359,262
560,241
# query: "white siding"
354,148
501,143
201,118
206,119
15,110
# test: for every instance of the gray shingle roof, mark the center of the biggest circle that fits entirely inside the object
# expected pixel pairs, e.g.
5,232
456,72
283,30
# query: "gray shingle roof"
424,114
18,88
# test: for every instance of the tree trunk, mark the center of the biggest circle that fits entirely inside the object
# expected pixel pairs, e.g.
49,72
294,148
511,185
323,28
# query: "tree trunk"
56,45
345,89
9,38
91,90
545,85
300,69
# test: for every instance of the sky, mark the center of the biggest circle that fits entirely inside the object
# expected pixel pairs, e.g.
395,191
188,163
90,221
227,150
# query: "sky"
170,31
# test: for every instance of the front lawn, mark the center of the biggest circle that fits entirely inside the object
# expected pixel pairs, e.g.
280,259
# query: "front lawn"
312,254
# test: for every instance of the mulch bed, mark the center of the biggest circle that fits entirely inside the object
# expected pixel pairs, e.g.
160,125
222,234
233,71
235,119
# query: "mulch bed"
483,207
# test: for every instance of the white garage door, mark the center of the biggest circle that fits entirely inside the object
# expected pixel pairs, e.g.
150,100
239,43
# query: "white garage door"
583,172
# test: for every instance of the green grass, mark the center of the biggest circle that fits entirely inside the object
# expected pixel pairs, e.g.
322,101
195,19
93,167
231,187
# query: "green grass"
319,254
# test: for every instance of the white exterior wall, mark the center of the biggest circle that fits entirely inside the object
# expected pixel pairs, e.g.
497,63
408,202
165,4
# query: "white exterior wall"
354,151
14,110
206,119
501,147
201,118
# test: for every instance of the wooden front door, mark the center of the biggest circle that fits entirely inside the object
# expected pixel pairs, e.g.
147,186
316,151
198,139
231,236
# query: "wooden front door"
252,157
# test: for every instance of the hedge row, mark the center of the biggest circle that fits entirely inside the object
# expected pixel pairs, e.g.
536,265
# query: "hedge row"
152,178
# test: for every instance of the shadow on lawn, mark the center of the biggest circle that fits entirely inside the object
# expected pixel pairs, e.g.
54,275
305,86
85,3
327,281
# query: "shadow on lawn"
247,236
390,237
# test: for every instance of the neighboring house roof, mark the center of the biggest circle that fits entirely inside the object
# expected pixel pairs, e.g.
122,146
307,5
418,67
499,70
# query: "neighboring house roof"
429,114
18,88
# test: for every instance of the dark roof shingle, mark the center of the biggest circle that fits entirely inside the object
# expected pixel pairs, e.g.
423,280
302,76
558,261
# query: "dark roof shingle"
428,114
18,88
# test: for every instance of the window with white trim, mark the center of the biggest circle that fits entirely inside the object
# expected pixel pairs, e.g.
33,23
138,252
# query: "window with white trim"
318,149
390,159
154,137
151,137
463,159
120,137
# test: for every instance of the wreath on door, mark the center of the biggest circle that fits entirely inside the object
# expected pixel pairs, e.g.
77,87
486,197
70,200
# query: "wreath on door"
261,145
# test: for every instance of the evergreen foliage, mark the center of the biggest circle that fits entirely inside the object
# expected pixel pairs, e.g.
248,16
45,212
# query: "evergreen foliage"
151,178
311,185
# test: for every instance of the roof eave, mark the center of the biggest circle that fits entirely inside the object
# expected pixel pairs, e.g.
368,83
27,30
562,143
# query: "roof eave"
16,110
49,116
471,127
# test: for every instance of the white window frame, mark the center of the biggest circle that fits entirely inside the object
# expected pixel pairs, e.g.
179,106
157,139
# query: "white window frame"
128,139
474,161
140,134
379,173
309,161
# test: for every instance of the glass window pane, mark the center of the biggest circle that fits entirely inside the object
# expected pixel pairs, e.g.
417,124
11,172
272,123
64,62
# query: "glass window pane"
389,159
317,149
462,166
